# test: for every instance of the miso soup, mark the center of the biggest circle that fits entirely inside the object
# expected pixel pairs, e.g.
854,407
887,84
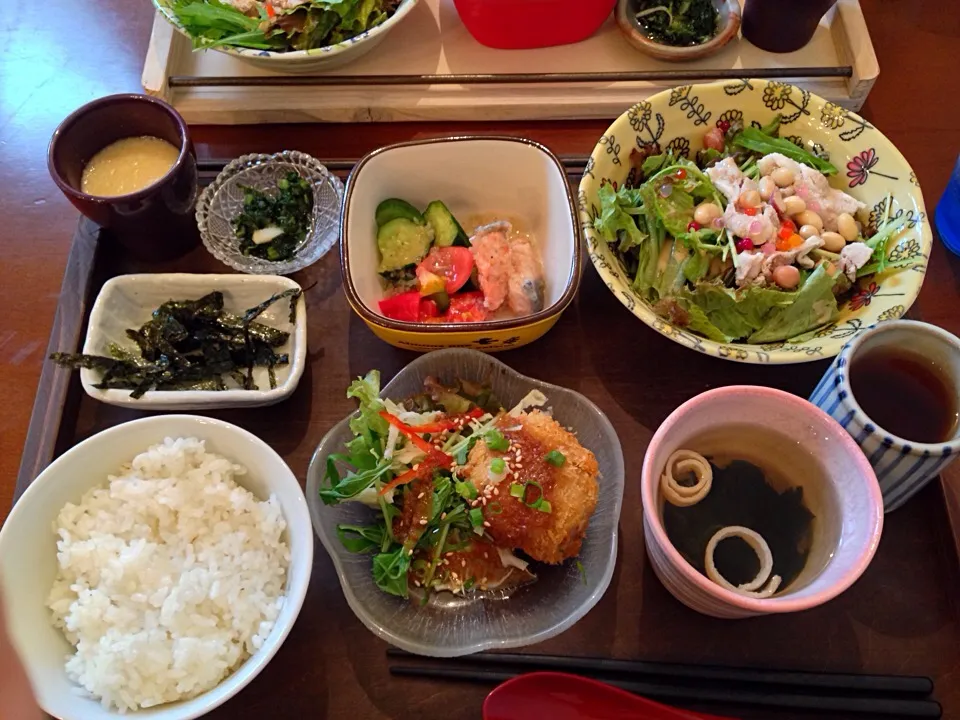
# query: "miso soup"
128,165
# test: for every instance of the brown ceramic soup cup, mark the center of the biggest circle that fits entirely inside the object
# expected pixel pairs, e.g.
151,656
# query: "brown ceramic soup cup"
154,223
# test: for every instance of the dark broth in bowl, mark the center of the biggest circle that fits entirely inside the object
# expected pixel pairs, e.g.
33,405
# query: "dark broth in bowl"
766,482
905,393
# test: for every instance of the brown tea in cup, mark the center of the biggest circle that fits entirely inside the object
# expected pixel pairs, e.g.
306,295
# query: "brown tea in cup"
905,393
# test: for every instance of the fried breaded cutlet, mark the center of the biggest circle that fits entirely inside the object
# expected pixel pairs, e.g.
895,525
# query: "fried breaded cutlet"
550,532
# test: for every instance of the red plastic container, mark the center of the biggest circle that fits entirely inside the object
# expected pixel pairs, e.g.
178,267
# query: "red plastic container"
518,24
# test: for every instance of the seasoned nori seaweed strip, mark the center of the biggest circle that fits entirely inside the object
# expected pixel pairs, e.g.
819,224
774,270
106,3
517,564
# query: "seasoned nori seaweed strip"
294,299
257,310
190,345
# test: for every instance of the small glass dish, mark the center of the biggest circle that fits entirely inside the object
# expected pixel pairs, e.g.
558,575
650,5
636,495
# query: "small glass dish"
221,201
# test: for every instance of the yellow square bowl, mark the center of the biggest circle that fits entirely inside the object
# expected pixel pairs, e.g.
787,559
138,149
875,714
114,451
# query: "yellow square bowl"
506,176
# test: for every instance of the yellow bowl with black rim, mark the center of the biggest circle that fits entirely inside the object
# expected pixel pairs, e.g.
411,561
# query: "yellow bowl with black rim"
503,176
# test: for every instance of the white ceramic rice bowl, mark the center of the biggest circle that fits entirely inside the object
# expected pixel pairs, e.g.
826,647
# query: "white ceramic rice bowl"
28,555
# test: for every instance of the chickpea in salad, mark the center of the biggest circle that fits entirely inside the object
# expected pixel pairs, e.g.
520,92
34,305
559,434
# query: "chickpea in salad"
746,242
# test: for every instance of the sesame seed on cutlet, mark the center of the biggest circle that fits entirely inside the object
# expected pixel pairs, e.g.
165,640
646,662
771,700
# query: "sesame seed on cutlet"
486,523
423,521
420,496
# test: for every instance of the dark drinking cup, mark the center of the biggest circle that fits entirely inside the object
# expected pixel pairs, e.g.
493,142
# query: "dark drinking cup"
155,223
782,26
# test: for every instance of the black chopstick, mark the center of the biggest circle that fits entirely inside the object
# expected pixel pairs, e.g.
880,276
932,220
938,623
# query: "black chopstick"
834,682
885,706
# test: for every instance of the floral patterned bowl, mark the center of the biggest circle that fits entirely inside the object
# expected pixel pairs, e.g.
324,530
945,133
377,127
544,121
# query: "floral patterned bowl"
871,169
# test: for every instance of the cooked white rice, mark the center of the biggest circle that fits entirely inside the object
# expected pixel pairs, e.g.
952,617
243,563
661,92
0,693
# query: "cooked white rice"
169,577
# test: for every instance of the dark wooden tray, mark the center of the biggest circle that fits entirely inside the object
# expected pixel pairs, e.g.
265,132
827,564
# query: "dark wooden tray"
901,617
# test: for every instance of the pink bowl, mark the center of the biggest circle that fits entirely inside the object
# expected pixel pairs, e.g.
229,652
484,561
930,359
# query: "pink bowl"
849,516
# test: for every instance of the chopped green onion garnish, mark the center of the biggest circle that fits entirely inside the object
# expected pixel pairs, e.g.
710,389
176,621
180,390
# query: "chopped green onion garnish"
497,466
469,584
476,517
535,503
461,456
543,506
496,441
516,490
583,573
466,490
555,458
495,508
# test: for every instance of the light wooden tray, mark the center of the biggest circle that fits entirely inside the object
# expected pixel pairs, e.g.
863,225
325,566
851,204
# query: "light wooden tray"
430,68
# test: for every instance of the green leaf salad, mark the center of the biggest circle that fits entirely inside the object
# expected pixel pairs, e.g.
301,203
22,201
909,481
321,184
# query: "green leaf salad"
427,530
277,25
747,242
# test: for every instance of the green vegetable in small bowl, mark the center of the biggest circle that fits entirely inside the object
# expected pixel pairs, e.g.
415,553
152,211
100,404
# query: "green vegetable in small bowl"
678,30
678,22
273,227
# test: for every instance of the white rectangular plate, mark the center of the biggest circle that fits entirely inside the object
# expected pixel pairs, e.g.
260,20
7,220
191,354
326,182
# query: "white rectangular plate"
127,301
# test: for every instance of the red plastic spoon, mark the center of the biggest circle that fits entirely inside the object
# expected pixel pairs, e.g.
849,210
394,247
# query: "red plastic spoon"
561,696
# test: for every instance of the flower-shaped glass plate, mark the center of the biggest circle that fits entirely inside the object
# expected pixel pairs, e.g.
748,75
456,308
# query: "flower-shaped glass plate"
222,201
871,169
449,626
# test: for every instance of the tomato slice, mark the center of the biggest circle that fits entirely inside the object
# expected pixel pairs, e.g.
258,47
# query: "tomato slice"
404,306
466,307
454,264
428,310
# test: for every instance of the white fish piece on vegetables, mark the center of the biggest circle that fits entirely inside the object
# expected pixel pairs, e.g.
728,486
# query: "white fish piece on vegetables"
814,189
727,178
853,257
766,224
749,266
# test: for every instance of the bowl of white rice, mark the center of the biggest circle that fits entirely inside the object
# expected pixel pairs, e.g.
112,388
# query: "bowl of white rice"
153,570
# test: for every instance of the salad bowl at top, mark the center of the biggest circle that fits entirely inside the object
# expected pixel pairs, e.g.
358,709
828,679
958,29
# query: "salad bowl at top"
870,168
304,61
449,625
506,177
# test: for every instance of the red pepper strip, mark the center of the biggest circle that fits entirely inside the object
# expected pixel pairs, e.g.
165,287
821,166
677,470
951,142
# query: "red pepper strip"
434,461
270,11
449,423
409,431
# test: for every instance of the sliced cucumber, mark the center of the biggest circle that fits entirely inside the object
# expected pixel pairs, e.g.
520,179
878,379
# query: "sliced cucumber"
402,242
446,229
393,208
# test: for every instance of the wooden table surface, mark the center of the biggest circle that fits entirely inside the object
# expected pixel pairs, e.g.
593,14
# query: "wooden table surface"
57,55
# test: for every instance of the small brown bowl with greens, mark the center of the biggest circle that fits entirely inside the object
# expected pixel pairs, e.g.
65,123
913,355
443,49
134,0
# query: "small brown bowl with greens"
678,30
271,214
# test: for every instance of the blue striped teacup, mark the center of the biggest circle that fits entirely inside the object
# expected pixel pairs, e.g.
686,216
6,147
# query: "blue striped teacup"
902,466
